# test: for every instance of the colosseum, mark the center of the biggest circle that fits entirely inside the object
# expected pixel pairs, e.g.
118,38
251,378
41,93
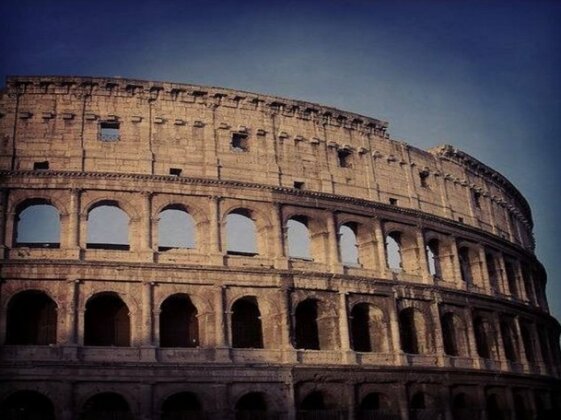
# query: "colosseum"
173,252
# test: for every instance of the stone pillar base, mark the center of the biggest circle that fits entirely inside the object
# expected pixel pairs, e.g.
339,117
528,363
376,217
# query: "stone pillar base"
222,354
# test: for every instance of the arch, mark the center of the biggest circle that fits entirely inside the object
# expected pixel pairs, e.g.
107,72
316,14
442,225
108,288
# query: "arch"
251,406
375,405
433,257
465,257
528,341
367,328
421,406
463,407
318,405
495,407
492,271
106,321
509,340
348,244
179,325
108,226
412,331
393,251
298,238
176,228
454,334
106,405
247,331
27,405
511,277
306,331
241,232
37,224
31,319
482,330
183,405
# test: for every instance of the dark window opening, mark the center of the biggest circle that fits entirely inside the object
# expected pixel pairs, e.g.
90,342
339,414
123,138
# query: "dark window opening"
31,319
314,401
178,322
433,257
175,171
407,331
511,278
528,342
481,338
108,227
461,219
344,158
360,328
393,201
184,405
109,131
348,245
251,406
106,321
476,199
418,401
509,342
492,271
247,330
424,178
393,251
494,408
449,332
27,405
465,266
240,142
306,327
107,405
298,185
41,166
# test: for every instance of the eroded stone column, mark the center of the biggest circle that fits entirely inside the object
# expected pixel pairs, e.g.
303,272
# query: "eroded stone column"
348,356
279,237
222,352
73,237
381,245
333,243
422,255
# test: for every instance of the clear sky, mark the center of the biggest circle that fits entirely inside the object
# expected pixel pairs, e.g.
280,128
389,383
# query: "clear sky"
484,76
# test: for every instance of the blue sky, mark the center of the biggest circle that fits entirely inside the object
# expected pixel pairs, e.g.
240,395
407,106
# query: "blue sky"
483,76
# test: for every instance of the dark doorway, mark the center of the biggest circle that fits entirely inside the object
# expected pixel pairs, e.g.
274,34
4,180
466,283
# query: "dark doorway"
178,322
360,328
106,321
31,319
247,331
306,327
27,405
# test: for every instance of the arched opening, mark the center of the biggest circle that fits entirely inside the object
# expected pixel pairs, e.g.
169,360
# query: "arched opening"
462,408
176,229
419,407
453,335
27,405
375,406
106,405
360,328
37,225
247,331
316,406
412,331
306,326
298,237
31,319
182,406
251,406
511,277
108,227
433,258
106,321
480,329
393,251
509,341
521,407
465,265
528,342
179,326
348,245
495,408
241,236
492,271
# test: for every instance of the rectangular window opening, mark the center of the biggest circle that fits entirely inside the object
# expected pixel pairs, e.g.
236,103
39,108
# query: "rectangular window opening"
393,201
424,177
41,166
477,199
175,171
344,158
109,131
240,142
298,185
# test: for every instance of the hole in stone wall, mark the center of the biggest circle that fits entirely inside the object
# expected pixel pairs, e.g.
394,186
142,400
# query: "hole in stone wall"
41,166
27,405
108,227
240,142
306,327
183,405
298,237
176,229
107,405
476,197
348,248
106,321
424,178
298,185
393,201
247,331
109,131
393,251
241,233
37,225
179,325
433,258
251,406
175,171
31,319
344,158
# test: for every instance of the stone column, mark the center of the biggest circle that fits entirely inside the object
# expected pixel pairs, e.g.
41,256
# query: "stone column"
71,333
147,325
215,233
500,343
423,262
348,356
351,400
10,221
73,239
472,343
520,345
381,245
146,226
333,239
4,243
456,262
520,281
484,269
289,355
222,347
501,275
279,237
437,330
399,356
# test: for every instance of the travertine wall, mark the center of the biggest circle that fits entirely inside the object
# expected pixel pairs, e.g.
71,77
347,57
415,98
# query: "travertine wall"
480,221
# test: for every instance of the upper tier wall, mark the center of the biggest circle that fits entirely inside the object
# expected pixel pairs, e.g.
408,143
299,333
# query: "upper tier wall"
288,143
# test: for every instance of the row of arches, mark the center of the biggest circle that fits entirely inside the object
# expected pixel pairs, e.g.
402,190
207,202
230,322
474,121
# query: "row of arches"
316,404
32,320
247,232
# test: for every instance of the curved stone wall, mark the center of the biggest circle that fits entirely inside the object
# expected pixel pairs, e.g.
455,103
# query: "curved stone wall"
459,327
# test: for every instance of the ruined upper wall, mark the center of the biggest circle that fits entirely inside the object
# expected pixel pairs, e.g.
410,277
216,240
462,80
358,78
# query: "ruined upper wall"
169,128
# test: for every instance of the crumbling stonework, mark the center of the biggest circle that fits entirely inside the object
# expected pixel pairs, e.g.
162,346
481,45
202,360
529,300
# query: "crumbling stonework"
458,328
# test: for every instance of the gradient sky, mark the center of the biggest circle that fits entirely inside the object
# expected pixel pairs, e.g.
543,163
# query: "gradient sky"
483,76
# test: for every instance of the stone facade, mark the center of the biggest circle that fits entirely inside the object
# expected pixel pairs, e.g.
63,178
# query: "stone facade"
458,328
